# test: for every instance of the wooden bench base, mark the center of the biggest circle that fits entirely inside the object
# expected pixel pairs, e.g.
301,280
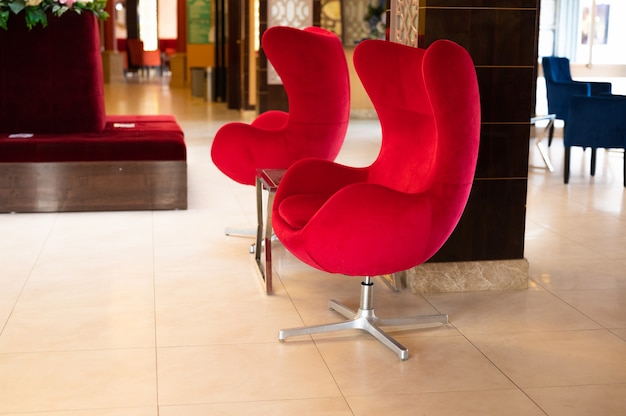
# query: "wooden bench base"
93,186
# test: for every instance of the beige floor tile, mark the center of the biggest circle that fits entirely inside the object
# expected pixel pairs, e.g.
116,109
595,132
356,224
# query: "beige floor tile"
242,373
65,329
332,406
557,358
591,223
363,366
203,257
77,289
253,320
560,248
12,282
607,307
218,283
6,306
476,403
578,274
620,333
138,411
610,246
56,381
597,400
23,236
510,312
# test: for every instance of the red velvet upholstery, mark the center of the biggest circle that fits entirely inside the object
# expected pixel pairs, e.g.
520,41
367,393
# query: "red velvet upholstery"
314,72
128,138
35,98
398,212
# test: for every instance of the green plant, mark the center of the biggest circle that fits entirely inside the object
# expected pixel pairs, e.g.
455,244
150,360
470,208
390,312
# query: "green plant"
36,11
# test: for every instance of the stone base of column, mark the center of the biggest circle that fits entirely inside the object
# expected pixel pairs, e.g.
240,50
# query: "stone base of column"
467,276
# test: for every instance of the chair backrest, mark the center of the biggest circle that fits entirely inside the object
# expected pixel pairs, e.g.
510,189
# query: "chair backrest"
556,69
429,109
51,79
319,110
135,52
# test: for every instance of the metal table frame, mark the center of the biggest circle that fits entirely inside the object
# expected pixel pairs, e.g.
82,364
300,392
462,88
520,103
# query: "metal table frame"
540,137
266,179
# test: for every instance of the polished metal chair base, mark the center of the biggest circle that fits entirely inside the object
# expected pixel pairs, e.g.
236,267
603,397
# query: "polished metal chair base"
242,232
365,319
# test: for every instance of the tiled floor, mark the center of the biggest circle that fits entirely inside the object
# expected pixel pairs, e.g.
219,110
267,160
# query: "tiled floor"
159,313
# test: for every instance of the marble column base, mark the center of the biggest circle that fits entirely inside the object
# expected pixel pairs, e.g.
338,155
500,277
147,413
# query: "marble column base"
467,276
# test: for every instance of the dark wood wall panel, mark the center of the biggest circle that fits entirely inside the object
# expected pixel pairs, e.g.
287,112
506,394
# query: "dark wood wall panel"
491,35
492,226
501,37
504,93
503,151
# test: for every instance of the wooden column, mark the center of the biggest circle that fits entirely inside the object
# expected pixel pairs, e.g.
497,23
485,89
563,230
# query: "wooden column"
108,28
501,36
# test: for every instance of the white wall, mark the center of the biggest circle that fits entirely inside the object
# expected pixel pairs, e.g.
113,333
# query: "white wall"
167,19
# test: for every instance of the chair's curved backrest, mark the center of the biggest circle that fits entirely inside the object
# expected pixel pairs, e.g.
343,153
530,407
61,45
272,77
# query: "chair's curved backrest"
560,87
429,108
556,69
312,65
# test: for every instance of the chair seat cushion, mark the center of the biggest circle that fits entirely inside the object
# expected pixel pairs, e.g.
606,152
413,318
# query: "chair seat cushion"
297,210
129,138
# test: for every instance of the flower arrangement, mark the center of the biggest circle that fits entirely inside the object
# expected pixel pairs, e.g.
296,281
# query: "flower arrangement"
376,19
36,11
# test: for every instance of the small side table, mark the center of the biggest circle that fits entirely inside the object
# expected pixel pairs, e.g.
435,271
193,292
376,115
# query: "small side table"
540,137
266,179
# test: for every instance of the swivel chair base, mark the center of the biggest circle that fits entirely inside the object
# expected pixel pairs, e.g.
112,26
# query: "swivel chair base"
365,319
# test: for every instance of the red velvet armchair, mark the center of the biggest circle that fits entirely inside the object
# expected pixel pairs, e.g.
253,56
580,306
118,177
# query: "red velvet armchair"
312,66
398,212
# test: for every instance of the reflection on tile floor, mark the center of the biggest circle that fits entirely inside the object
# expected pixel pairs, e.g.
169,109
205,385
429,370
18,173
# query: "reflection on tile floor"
159,313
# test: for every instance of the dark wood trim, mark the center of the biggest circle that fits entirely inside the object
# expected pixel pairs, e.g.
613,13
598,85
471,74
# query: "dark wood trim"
93,186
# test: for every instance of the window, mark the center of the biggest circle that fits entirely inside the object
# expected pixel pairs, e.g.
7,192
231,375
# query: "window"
602,19
566,27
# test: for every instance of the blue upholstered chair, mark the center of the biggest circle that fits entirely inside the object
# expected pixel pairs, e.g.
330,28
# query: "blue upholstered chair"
560,88
595,122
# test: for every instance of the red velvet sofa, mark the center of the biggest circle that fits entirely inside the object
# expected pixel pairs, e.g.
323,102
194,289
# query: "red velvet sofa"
59,150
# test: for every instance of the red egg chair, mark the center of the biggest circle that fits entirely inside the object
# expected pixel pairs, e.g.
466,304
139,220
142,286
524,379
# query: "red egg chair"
312,66
399,211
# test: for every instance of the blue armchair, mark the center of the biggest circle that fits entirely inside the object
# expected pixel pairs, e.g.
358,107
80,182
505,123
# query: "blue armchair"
595,122
561,88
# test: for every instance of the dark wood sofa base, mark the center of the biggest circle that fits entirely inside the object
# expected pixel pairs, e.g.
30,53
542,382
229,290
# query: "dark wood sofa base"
93,186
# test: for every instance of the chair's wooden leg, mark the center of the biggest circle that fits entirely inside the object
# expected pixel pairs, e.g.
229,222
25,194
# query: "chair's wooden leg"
594,152
568,151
